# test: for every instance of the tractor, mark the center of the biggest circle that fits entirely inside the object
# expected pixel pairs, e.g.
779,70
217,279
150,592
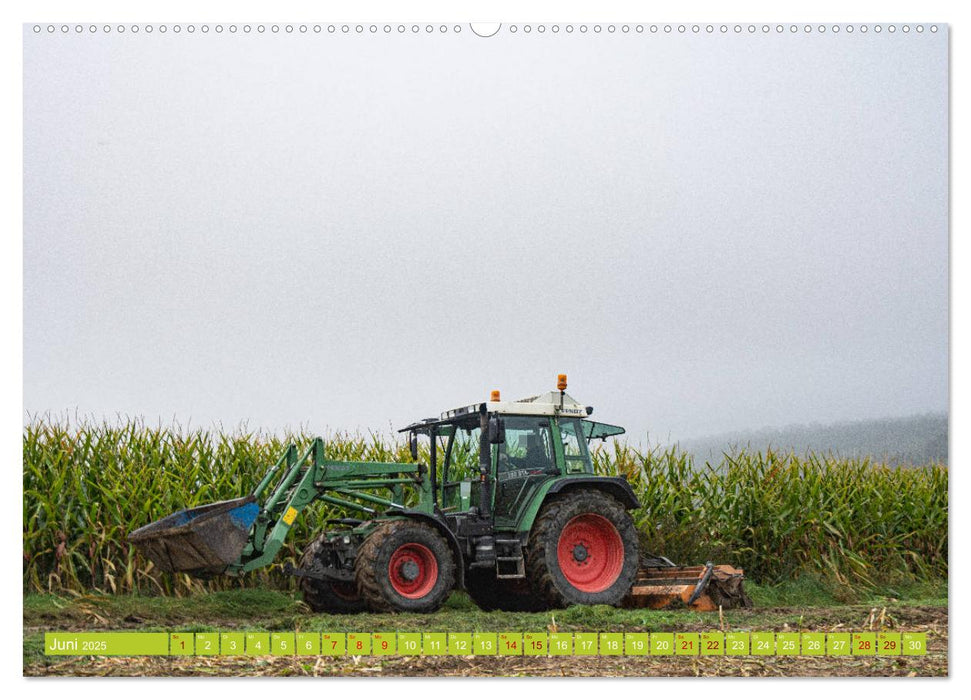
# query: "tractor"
508,508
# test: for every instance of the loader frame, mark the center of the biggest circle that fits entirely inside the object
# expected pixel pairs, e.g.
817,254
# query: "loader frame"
311,477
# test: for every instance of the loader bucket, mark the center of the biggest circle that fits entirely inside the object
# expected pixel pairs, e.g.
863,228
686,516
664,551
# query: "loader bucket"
703,588
202,540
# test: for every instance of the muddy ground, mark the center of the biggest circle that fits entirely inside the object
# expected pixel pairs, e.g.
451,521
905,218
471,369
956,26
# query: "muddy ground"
935,664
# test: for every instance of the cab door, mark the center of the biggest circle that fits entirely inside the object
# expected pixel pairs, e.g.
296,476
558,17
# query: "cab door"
522,462
460,470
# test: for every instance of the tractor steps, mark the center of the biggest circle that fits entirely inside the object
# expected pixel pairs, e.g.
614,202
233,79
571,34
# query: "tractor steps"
513,563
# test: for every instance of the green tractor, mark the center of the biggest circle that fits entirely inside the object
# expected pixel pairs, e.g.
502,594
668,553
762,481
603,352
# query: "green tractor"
508,508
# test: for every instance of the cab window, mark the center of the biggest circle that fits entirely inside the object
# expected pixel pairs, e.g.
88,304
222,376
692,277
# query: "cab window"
528,445
462,461
574,446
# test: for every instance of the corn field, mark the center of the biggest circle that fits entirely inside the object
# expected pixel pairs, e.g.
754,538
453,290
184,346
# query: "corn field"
776,515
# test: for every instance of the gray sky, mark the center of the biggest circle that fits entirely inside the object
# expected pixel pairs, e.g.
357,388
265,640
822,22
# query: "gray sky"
707,233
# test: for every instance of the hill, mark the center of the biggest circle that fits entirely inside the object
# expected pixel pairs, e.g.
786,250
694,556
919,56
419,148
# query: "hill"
908,440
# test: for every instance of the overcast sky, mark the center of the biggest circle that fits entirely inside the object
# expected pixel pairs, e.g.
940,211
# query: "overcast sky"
706,232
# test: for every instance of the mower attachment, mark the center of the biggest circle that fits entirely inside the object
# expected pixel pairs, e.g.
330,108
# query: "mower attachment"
703,588
202,540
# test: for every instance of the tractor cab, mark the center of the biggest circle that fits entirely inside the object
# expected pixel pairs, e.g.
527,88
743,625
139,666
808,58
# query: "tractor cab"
495,456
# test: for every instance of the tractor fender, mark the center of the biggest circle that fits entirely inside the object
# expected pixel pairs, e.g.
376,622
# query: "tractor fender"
616,486
449,536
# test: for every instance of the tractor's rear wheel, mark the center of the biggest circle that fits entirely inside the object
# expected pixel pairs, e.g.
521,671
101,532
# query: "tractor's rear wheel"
491,593
337,597
405,565
582,550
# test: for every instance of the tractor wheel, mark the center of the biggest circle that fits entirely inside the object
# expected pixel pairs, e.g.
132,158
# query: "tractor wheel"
328,596
491,593
405,565
582,550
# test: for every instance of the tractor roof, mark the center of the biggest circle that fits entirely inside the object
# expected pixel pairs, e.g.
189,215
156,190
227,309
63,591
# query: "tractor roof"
552,403
547,404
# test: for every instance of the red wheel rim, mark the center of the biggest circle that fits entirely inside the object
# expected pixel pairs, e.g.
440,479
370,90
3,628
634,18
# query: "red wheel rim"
590,553
413,570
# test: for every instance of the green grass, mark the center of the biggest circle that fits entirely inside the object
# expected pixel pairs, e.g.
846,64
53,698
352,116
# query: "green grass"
812,590
269,609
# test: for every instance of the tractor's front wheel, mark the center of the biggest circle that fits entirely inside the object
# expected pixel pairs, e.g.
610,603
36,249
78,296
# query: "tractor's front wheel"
582,550
338,597
406,566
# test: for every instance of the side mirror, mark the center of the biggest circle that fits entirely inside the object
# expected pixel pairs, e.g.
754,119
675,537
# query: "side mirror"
413,445
497,430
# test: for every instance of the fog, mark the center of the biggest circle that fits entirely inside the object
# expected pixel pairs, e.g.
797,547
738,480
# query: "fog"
707,233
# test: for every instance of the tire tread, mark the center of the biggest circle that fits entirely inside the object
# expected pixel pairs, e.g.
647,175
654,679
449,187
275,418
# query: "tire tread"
546,529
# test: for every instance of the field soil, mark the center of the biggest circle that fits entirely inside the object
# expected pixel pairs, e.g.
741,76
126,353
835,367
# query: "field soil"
269,611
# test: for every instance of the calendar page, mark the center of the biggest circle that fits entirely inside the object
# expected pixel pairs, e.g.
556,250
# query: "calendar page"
443,348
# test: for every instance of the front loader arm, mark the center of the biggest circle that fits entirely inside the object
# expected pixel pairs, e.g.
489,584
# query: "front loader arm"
313,477
247,533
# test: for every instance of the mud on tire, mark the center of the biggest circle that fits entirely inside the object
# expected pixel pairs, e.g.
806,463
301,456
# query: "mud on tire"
582,550
328,596
405,565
